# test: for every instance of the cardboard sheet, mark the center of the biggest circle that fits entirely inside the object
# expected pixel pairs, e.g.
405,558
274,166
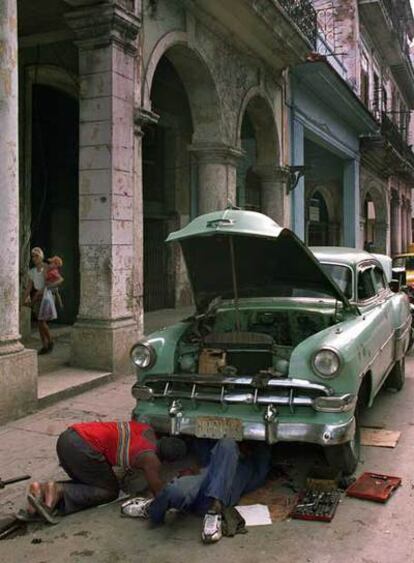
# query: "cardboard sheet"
379,437
279,503
255,514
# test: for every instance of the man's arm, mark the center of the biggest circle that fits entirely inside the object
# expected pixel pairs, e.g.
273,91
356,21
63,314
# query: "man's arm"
151,466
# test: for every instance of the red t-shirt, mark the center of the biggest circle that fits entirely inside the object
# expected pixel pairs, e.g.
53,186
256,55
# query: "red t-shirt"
120,442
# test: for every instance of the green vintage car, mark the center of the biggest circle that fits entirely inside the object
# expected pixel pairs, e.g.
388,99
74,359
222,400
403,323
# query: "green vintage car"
287,343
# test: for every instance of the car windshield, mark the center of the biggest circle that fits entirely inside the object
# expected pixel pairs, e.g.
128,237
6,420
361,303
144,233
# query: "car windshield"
406,262
342,276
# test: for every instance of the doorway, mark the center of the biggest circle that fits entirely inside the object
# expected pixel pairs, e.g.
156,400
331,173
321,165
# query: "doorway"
54,187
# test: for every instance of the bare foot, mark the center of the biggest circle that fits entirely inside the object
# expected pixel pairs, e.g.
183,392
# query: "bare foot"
37,490
53,494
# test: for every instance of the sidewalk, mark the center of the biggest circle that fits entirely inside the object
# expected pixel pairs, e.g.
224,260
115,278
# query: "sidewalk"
58,380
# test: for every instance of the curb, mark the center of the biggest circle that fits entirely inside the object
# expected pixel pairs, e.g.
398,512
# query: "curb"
53,398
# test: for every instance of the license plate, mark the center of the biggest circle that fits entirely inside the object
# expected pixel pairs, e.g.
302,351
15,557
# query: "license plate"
218,427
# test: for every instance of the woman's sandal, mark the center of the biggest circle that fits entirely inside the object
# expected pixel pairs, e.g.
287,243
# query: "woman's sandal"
43,510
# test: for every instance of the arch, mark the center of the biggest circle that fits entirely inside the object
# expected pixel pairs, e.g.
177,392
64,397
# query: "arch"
328,198
53,76
379,199
259,109
319,229
196,77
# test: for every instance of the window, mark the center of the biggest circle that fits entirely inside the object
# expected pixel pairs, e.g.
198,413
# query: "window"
342,276
366,288
375,101
379,281
384,99
364,80
364,87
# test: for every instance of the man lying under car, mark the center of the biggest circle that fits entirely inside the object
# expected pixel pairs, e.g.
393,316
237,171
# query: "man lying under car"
228,471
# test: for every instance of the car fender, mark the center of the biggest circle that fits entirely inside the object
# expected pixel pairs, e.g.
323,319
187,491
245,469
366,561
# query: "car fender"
347,338
164,342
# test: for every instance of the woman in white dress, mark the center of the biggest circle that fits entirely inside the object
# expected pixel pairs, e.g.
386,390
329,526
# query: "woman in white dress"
38,295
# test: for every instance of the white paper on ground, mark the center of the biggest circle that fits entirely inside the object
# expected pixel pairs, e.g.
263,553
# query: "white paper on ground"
255,514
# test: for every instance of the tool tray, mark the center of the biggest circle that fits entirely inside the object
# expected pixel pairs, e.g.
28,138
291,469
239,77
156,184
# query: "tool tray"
374,486
317,505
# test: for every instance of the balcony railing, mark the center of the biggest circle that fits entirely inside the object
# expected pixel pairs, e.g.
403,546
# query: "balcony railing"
304,16
393,133
396,20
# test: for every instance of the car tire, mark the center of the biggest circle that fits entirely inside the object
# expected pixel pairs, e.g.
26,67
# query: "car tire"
396,378
345,457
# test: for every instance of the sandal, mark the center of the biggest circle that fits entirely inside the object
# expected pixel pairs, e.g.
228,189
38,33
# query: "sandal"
43,510
25,516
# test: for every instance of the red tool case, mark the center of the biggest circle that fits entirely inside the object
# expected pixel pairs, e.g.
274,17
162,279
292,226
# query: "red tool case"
374,486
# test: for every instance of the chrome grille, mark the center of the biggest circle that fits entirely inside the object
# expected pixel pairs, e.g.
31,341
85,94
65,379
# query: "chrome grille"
238,390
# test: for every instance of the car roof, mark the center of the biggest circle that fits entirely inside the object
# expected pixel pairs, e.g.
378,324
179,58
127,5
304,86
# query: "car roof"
348,256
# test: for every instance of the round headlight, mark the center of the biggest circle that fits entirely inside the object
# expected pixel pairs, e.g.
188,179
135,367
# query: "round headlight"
326,363
142,355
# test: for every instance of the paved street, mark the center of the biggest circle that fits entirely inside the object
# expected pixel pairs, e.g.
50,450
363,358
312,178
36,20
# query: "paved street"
360,532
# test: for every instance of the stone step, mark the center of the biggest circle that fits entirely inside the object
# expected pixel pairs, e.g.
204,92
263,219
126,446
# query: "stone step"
67,382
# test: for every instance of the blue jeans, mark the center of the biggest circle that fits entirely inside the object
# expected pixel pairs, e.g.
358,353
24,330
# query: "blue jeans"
226,478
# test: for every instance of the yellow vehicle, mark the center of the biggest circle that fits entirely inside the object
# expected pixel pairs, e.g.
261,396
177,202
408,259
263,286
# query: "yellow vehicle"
403,268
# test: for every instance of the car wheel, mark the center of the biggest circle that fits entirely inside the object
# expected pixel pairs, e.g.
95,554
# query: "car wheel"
396,378
345,457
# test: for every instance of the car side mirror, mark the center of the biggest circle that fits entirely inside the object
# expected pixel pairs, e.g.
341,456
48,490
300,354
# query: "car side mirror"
395,285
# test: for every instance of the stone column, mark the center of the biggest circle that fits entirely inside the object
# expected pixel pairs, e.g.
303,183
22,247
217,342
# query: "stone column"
106,326
298,194
380,236
351,204
273,183
403,225
18,367
216,177
395,223
409,224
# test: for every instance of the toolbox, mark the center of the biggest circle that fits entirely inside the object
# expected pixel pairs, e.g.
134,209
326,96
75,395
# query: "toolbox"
317,505
374,486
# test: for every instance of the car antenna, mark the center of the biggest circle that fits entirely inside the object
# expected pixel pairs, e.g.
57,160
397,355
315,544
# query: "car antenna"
234,279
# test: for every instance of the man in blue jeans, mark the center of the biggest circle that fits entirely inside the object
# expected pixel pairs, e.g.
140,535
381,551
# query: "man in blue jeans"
229,472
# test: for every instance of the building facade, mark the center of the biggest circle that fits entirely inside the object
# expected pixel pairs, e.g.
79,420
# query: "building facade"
370,40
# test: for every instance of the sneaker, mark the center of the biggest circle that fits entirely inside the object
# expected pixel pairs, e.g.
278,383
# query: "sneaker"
136,507
211,528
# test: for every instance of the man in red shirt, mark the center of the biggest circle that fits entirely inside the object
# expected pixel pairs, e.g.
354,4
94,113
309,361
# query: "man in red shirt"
88,451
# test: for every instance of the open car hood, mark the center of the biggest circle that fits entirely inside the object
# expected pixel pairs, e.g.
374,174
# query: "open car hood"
269,261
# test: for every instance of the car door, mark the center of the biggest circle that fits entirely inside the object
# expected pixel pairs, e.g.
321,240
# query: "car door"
374,305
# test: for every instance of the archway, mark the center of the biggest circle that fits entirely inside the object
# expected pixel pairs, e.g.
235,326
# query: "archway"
369,222
166,185
374,218
318,221
258,139
52,162
249,187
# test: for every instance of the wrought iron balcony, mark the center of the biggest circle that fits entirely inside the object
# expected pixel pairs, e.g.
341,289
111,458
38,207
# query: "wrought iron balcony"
395,136
304,16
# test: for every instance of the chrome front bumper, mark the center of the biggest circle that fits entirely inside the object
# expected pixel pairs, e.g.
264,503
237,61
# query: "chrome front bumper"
271,431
